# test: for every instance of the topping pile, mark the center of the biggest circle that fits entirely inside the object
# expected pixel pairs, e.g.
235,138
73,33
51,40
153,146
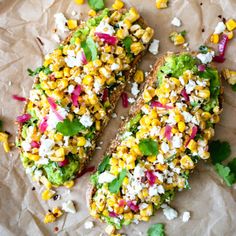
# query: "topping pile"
72,99
160,144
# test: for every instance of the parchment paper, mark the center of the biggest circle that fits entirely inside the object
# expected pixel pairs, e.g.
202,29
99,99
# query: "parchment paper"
211,202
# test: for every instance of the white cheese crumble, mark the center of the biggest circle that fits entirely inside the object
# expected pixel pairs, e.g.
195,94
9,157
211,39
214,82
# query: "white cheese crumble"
86,120
88,224
60,21
160,189
69,207
42,161
170,213
177,141
190,86
53,119
206,58
131,100
26,146
176,22
105,27
138,172
71,88
115,66
186,216
154,47
46,146
73,60
105,177
160,158
187,116
114,115
220,28
134,90
97,86
165,147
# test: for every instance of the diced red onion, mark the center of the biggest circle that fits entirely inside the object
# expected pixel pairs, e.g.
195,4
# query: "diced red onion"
111,40
151,177
168,132
121,202
43,125
193,134
219,59
201,67
160,105
86,170
124,97
105,95
84,59
133,206
112,214
222,44
53,105
185,95
63,163
23,118
35,144
75,94
19,98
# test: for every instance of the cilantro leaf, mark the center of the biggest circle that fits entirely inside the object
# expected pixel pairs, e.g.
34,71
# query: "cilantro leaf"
183,33
203,49
226,174
232,165
133,122
96,4
156,230
115,185
127,43
219,151
70,128
46,70
90,49
104,164
148,147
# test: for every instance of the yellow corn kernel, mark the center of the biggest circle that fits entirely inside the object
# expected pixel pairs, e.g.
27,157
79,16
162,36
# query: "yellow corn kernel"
121,33
66,71
155,122
47,194
128,216
205,93
161,167
33,157
206,115
231,24
205,155
58,74
6,146
57,159
57,95
139,76
118,4
133,15
230,76
111,202
45,182
181,126
92,13
160,4
49,218
110,229
79,1
186,162
175,81
215,119
148,211
151,158
62,84
127,23
72,24
136,48
57,212
230,34
192,145
131,165
98,124
113,161
81,141
111,80
42,75
69,184
44,85
3,137
179,39
121,164
148,94
163,100
82,110
105,212
88,80
215,38
179,117
114,170
60,152
148,34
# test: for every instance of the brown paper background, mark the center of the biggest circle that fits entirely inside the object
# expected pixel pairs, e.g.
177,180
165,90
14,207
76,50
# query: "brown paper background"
211,203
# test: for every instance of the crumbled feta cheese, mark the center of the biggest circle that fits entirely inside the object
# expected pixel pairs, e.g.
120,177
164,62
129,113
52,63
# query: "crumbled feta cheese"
177,141
56,38
190,86
176,22
73,13
165,147
131,100
145,110
186,216
126,134
105,177
170,213
105,27
78,80
86,120
169,180
45,148
138,172
53,120
88,143
160,189
97,86
220,28
143,206
34,95
114,115
155,130
38,174
88,224
26,146
71,88
42,161
159,176
154,47
114,66
71,60
60,21
160,158
68,207
152,191
187,116
206,58
134,90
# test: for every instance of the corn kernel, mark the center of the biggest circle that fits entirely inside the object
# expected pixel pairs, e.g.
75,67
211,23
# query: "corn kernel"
45,182
98,125
47,194
79,1
60,152
136,48
88,80
181,126
81,141
178,118
205,93
231,24
126,181
92,13
72,24
160,4
3,137
118,4
206,115
57,158
161,167
139,76
186,162
205,155
6,146
121,33
33,157
230,34
215,38
133,15
57,212
148,34
49,218
110,229
58,74
192,145
151,158
69,184
128,216
179,39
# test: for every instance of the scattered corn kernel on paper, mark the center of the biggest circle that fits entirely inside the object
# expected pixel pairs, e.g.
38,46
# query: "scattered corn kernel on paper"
26,34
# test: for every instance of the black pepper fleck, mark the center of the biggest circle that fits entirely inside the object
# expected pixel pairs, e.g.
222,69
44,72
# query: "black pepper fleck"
33,188
203,30
201,4
224,20
220,16
55,197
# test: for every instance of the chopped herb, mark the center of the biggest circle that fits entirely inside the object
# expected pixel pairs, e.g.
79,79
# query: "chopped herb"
104,164
219,151
183,33
133,123
115,185
90,49
156,230
96,4
225,173
46,71
148,147
70,128
127,43
203,49
232,165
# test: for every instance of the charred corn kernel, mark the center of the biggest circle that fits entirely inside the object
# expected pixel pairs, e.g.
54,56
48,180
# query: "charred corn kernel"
230,24
205,93
72,24
45,182
69,184
58,74
121,33
92,13
160,4
118,4
3,137
139,76
230,34
33,157
81,141
230,76
192,145
57,212
136,48
49,218
79,1
128,216
205,155
148,34
47,194
215,38
88,80
179,117
215,119
110,229
98,125
161,167
6,146
133,15
57,95
186,162
60,152
151,158
206,115
181,126
62,84
179,40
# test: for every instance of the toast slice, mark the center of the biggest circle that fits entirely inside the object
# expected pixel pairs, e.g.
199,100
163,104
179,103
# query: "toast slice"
76,91
160,142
